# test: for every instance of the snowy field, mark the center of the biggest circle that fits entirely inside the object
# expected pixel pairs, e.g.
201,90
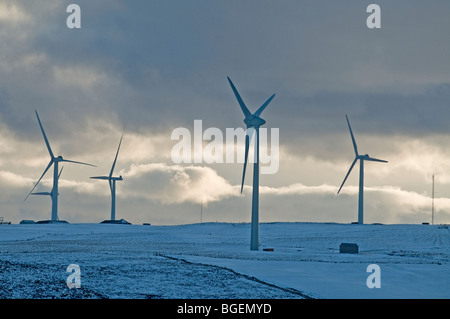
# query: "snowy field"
214,261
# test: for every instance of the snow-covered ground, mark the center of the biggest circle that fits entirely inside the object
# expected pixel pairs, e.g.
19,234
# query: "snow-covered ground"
213,260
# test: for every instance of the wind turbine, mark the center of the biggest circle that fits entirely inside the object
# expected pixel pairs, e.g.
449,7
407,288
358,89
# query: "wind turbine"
112,184
55,162
361,159
252,121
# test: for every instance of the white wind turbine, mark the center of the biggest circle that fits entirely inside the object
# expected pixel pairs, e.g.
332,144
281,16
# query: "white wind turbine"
253,121
112,184
361,159
53,161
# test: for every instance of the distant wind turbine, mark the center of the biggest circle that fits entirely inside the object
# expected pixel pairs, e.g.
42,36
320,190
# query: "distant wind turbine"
361,159
51,192
112,184
252,121
53,161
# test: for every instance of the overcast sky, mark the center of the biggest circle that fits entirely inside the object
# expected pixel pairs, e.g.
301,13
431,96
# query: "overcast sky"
145,68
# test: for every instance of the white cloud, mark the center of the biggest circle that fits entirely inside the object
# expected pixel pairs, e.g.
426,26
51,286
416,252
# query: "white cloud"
299,189
78,76
12,180
84,187
424,156
11,13
392,194
172,184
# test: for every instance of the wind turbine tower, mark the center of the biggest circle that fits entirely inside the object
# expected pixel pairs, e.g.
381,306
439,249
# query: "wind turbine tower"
361,159
252,121
55,162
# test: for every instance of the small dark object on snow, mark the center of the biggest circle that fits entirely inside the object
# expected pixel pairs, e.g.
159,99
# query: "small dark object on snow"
27,221
51,222
348,248
120,221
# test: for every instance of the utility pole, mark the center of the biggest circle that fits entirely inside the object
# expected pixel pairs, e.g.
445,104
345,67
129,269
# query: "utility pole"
432,201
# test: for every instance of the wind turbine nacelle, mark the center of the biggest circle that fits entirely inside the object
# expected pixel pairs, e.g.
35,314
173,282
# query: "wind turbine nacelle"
254,121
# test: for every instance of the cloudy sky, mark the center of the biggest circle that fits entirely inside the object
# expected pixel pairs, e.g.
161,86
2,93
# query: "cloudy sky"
145,68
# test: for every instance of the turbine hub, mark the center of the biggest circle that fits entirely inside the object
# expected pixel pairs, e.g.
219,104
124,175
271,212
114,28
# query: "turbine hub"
363,157
254,121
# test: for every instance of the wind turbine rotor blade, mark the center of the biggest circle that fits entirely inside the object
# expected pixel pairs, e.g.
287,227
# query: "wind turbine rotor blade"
247,144
115,159
59,175
248,137
110,186
45,136
375,160
42,193
348,173
69,161
261,109
353,138
48,166
241,102
100,177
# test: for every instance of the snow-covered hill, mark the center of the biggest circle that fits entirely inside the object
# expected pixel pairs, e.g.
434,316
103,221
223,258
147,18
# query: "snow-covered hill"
213,260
